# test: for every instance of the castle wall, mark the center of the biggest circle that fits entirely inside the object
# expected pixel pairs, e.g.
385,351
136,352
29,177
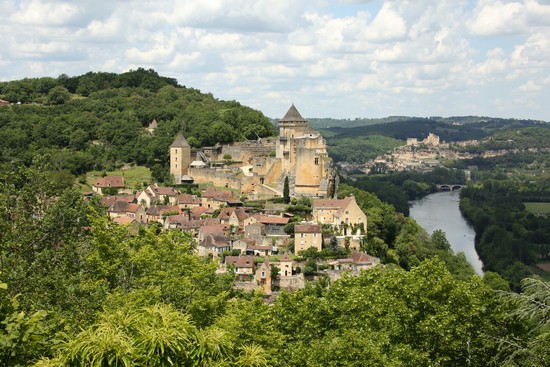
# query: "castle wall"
215,178
245,152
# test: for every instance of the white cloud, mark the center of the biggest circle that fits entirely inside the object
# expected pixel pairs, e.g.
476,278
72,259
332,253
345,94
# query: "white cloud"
530,86
373,57
387,25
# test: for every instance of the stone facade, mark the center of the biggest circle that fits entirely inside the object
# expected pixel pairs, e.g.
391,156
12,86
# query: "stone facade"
307,236
260,167
180,158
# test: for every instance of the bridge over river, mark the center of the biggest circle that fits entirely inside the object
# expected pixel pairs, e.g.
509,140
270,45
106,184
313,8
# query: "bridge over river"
450,187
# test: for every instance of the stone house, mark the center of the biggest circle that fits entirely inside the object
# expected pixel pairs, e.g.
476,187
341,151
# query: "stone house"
213,245
157,213
255,231
233,216
243,266
273,225
155,194
259,250
286,266
344,215
107,182
307,236
355,262
242,244
188,201
122,208
263,277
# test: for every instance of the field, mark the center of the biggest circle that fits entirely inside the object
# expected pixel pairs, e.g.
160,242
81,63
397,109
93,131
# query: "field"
538,208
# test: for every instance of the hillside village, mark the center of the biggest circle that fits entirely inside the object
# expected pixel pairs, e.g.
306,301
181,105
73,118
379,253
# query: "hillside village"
263,246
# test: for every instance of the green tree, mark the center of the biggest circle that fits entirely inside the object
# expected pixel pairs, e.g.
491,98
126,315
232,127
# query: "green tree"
58,95
286,191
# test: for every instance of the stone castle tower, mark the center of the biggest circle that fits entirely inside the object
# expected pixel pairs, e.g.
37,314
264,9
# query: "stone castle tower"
304,155
180,158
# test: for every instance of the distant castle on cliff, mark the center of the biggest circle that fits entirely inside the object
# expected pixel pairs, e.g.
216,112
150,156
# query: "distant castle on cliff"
258,168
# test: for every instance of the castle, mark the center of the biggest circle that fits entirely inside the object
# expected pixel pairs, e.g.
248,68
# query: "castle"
258,169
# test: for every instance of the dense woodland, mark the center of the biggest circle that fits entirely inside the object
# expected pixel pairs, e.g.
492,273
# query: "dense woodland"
97,120
78,290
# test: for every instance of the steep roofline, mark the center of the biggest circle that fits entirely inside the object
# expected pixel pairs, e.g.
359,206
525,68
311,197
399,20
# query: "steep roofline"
292,115
179,142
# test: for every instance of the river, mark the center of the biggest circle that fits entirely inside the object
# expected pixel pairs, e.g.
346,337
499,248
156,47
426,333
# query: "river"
440,211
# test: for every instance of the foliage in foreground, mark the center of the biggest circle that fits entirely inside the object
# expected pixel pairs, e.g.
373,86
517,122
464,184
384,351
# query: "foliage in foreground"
81,291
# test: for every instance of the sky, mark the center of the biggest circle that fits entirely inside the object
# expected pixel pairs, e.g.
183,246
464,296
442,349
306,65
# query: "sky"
331,58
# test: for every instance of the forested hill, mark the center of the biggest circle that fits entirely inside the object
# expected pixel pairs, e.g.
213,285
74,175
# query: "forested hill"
98,120
449,129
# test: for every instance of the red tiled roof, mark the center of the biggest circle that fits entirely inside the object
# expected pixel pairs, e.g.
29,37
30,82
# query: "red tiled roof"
211,192
215,241
273,220
307,228
159,209
110,181
167,191
225,213
189,199
332,203
123,220
197,211
212,229
240,261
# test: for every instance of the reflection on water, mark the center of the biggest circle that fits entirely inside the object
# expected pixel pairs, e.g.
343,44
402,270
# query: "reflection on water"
440,211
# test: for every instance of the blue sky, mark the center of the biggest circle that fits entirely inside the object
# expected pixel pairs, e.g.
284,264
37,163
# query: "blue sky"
341,59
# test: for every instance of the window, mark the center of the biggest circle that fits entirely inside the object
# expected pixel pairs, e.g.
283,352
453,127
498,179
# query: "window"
317,161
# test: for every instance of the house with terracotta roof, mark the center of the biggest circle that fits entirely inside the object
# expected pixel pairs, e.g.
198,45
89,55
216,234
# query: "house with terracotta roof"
259,250
188,201
215,199
355,262
344,215
307,236
155,194
157,213
130,222
108,182
243,266
233,216
273,225
214,245
212,229
4,103
122,208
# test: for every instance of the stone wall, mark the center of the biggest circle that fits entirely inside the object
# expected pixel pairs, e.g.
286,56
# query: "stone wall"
293,282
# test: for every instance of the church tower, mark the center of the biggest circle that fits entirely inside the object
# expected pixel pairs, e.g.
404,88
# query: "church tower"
180,158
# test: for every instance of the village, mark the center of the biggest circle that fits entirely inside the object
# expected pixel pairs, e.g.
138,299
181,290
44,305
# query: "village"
263,246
